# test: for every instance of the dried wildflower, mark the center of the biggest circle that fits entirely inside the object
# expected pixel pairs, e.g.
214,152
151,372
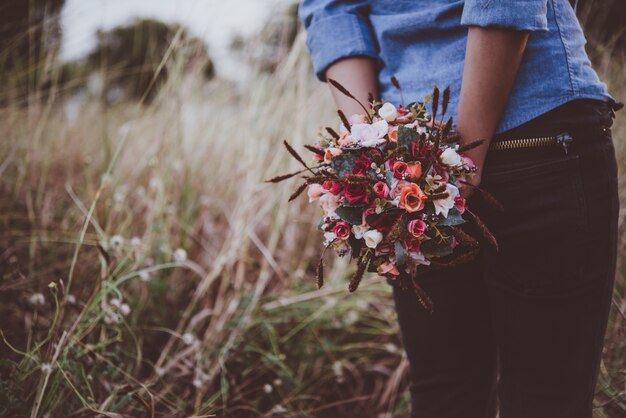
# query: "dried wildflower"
180,255
267,388
116,242
188,338
37,299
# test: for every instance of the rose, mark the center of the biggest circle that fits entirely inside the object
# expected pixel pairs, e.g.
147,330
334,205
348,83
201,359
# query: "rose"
412,198
396,187
342,229
370,135
383,221
329,203
414,170
315,191
330,153
356,193
450,157
381,189
372,238
459,203
361,165
387,268
388,112
333,187
399,168
359,230
393,133
442,206
416,227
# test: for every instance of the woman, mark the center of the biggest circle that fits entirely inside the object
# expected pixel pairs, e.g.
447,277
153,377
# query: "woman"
526,322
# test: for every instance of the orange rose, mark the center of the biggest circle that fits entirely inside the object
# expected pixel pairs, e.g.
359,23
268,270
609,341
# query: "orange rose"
393,134
414,170
412,198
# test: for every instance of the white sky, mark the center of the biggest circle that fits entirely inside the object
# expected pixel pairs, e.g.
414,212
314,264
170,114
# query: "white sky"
214,21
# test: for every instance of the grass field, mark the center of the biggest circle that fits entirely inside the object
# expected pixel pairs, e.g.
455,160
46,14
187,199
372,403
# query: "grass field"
147,270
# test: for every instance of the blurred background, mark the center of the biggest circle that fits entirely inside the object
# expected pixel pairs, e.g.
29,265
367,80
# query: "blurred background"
147,270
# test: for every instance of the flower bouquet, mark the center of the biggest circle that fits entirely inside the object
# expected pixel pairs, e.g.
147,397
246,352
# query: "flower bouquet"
388,185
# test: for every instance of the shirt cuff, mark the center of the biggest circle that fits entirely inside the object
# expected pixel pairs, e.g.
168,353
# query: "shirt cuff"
334,37
515,14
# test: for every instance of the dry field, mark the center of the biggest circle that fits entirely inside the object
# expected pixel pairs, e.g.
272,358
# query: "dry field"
147,270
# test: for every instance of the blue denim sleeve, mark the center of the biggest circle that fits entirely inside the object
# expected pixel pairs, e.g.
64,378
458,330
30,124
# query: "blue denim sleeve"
336,29
514,14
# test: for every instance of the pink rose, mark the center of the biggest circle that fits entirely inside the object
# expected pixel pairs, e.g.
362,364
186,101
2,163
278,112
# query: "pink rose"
333,187
342,229
399,168
381,189
388,268
416,227
459,203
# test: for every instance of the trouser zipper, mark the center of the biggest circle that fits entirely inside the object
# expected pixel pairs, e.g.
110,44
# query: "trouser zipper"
562,139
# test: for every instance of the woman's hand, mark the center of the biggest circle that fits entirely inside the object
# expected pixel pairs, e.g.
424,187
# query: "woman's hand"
492,58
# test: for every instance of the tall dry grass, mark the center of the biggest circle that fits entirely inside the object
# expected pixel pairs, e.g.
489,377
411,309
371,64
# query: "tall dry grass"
147,270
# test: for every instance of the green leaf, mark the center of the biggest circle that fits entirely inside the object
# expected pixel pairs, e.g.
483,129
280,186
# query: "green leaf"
400,253
436,248
351,214
454,218
406,136
343,164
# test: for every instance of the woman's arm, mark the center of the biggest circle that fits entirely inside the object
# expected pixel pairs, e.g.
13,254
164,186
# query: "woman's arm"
359,76
492,58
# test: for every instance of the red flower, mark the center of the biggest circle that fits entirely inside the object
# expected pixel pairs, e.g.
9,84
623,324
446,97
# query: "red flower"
459,204
361,165
342,229
333,187
356,193
383,221
416,227
399,168
381,189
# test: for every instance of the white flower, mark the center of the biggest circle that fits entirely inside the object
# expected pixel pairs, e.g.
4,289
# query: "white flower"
391,347
329,203
71,299
388,112
135,242
267,388
442,206
124,309
359,230
37,299
277,382
180,255
188,338
115,302
278,409
315,191
372,238
370,135
328,237
46,368
116,242
450,157
197,383
144,276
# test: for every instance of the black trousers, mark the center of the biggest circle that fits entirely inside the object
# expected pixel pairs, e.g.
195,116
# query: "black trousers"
524,325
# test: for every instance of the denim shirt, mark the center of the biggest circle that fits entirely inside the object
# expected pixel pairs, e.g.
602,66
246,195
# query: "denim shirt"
422,43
